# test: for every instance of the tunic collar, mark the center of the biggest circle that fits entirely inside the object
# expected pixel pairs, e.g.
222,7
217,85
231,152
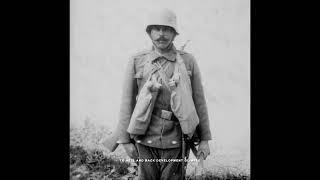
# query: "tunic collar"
171,55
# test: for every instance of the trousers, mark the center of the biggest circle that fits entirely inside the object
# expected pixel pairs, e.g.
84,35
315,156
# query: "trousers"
160,169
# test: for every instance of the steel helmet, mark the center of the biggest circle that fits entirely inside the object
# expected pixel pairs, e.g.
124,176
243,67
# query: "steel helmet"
164,17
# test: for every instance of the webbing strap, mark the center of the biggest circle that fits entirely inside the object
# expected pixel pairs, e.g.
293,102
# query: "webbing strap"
175,73
163,75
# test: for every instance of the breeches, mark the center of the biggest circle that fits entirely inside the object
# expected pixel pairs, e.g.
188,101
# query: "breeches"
168,169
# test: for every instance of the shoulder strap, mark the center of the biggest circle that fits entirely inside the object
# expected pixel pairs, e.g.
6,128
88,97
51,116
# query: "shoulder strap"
176,73
183,69
151,73
162,75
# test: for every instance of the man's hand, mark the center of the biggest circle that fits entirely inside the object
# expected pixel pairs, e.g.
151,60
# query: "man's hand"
131,150
203,148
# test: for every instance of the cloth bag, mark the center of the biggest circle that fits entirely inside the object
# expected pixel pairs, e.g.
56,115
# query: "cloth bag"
182,103
141,116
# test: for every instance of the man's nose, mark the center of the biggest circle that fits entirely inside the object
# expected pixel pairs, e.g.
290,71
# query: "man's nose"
161,31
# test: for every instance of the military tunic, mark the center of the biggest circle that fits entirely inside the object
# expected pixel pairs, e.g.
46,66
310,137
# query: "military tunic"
161,133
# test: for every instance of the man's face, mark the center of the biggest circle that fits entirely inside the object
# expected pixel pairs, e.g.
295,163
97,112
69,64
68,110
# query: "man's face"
162,36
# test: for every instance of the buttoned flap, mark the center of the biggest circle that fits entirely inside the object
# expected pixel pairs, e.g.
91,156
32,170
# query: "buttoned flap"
139,75
189,72
139,79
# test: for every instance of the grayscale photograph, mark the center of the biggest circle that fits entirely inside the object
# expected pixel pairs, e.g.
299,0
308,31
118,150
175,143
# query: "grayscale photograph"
159,89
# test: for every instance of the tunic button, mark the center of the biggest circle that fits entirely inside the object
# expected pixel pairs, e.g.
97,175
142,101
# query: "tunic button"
174,142
149,141
138,141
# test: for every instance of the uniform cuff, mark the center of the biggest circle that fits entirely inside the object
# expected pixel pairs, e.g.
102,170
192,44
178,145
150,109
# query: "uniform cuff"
206,138
123,141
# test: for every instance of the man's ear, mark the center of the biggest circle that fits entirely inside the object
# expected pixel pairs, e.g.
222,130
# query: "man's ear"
174,37
149,34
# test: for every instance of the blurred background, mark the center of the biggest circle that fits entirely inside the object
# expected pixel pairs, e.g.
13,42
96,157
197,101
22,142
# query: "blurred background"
105,33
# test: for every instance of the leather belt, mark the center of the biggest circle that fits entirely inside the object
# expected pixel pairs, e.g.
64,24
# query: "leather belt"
164,114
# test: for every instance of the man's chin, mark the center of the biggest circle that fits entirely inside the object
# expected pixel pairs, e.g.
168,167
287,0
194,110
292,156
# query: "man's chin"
162,46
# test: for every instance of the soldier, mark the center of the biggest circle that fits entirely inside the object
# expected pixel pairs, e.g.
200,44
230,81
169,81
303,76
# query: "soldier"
162,135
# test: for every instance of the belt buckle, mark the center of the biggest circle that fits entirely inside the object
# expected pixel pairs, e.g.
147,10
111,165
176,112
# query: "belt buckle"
166,114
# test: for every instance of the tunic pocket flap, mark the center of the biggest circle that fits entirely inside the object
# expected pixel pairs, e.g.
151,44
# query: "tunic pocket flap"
189,73
138,75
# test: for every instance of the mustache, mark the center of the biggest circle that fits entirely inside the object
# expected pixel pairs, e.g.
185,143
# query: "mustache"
162,39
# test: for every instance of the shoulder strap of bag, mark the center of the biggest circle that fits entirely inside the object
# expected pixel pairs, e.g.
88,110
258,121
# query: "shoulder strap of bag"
162,74
152,72
179,62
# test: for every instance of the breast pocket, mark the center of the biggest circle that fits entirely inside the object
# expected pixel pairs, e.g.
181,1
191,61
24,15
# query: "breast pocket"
139,77
189,73
190,76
